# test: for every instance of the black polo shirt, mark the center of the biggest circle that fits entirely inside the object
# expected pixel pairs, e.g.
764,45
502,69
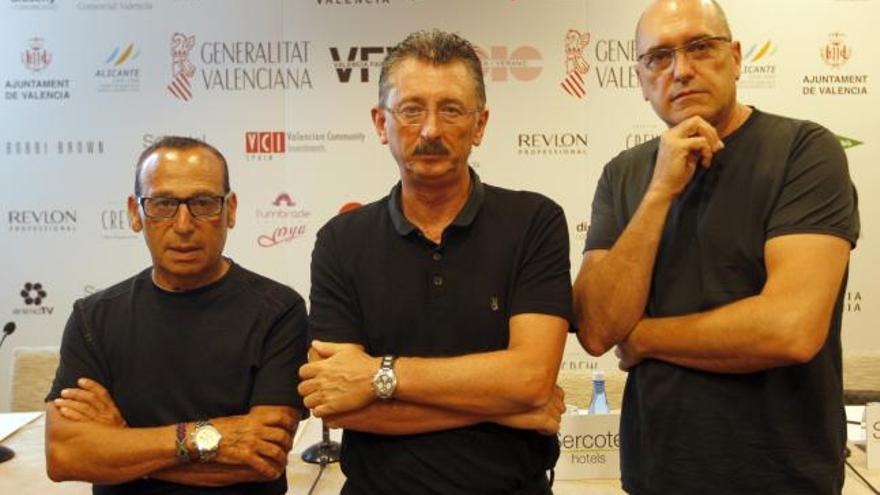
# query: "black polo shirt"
377,281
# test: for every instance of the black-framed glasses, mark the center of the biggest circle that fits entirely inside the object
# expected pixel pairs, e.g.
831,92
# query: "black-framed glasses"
415,115
163,208
698,50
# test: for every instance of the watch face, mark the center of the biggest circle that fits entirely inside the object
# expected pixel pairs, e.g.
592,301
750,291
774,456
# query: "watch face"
207,438
384,384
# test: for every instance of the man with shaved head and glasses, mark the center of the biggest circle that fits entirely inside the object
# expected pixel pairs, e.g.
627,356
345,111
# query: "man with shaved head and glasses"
181,379
716,262
440,312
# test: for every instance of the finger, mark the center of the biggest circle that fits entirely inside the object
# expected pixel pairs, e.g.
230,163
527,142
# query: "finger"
312,401
81,407
81,395
307,387
95,388
266,469
279,437
71,414
308,370
273,453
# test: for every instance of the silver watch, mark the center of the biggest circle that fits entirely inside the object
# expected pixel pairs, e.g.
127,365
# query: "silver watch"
385,381
206,439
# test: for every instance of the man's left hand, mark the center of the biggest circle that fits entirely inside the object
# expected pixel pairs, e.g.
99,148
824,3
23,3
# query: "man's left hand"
340,380
90,402
626,355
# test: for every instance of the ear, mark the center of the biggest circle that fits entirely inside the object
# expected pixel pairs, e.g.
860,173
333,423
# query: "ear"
231,208
482,120
378,116
737,57
134,215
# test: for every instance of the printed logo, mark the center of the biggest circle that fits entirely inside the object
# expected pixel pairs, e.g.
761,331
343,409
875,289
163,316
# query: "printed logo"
36,57
641,133
286,221
237,66
853,302
848,143
33,4
60,147
362,58
616,63
354,3
758,69
116,224
836,53
580,230
266,145
560,143
118,74
182,70
576,67
522,63
33,293
33,221
265,142
33,296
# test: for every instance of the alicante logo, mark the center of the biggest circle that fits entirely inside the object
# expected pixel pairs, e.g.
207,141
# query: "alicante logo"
521,63
130,53
117,74
33,294
182,70
836,53
35,57
576,67
758,69
848,143
363,58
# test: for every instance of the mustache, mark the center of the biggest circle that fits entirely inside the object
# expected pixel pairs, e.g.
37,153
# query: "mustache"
435,148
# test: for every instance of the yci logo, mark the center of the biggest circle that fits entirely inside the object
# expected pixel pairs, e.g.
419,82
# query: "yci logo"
265,142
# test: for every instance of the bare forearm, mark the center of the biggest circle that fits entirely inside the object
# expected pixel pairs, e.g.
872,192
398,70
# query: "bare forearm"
395,417
752,334
210,474
104,454
611,293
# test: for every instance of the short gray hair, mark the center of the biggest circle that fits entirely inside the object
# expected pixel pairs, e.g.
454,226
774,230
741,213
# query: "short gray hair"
438,48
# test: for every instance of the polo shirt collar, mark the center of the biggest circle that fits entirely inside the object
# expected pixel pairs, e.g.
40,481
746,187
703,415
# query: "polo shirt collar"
464,218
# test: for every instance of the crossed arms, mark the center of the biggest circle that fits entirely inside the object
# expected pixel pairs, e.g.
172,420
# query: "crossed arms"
87,439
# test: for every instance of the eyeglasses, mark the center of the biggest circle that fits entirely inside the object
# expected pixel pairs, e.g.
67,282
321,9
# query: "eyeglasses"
416,115
702,49
199,206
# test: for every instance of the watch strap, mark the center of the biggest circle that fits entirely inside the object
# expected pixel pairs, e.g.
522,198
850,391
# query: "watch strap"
181,453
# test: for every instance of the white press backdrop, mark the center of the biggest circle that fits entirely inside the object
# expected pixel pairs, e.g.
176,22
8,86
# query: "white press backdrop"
284,87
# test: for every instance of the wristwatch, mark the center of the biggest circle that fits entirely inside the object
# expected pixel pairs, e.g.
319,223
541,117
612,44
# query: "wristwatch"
385,381
206,439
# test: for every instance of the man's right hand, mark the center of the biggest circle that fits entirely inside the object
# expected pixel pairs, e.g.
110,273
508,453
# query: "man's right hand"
692,142
544,419
260,439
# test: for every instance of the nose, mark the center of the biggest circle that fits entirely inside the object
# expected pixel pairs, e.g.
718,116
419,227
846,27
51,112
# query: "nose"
183,221
431,126
682,67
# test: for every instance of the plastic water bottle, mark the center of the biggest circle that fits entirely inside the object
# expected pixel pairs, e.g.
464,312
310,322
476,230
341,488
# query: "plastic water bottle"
599,401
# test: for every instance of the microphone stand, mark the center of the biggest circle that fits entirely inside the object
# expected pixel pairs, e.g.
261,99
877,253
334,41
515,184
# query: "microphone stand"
324,452
5,452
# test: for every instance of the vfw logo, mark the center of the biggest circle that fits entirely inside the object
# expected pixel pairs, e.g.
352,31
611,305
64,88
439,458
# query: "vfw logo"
182,70
35,57
576,67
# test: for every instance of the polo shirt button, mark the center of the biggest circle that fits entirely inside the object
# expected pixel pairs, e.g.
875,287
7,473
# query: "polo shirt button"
437,256
438,280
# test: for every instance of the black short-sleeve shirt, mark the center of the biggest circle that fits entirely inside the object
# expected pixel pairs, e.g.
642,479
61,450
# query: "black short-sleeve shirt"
167,357
778,431
378,282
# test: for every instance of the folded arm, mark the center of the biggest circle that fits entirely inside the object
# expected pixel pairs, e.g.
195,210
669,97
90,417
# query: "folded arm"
511,381
87,440
786,323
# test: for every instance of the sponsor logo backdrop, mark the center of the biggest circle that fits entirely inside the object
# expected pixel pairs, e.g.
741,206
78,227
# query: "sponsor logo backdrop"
284,90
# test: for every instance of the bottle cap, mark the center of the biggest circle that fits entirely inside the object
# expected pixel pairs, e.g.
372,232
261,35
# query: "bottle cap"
598,375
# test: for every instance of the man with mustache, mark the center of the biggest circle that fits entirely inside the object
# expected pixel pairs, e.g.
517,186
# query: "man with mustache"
716,262
440,312
181,379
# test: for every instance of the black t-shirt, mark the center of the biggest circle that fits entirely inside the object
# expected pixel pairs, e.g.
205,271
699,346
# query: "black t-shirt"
778,431
377,281
167,357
